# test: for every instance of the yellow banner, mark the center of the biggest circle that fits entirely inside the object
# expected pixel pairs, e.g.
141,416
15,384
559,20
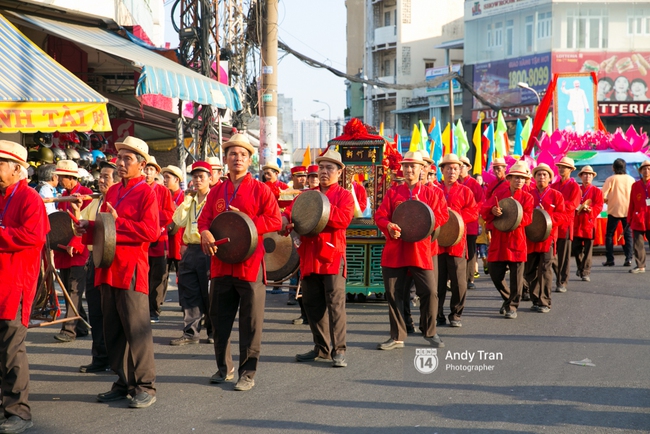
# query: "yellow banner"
30,117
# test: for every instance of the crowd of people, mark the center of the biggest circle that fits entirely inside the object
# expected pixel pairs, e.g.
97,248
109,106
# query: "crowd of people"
160,227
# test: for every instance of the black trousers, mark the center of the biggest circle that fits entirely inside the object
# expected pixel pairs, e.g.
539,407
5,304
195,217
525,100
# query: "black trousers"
612,224
471,257
511,295
582,249
193,294
562,262
74,279
128,337
424,288
158,275
323,297
454,269
230,294
14,369
95,316
539,275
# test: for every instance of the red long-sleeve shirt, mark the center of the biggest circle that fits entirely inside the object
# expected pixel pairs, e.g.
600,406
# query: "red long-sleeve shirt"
438,196
22,236
508,246
571,193
254,199
460,199
638,216
80,253
136,226
316,257
398,253
471,228
585,222
174,249
552,202
165,213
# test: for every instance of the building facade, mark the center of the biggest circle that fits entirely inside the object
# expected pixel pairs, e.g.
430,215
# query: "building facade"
527,41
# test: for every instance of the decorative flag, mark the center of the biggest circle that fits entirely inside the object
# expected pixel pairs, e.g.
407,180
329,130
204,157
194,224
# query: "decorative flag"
306,159
519,150
525,133
446,140
461,139
489,134
415,139
432,124
436,143
548,124
381,129
478,155
423,137
501,138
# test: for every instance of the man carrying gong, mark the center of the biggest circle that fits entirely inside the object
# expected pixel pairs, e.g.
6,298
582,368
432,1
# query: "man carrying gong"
401,257
238,286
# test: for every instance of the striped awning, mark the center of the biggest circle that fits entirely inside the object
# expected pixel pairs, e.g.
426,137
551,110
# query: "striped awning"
158,75
38,94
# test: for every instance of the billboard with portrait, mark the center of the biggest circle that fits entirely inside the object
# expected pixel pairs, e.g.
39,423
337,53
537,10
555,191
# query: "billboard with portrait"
574,101
622,76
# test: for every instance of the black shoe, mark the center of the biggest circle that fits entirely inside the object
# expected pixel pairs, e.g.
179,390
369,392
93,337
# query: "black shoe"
155,319
435,341
142,400
113,395
410,329
219,378
627,264
15,425
63,337
503,308
441,321
311,356
470,285
525,296
89,369
292,301
608,264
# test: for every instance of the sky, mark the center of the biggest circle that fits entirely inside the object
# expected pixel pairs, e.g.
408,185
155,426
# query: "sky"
317,30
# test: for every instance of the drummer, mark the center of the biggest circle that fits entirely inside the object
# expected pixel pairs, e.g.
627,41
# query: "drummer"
471,229
71,263
323,267
238,286
108,176
217,171
124,285
499,169
585,221
312,176
571,193
507,250
401,257
194,268
23,228
173,176
452,261
158,273
538,272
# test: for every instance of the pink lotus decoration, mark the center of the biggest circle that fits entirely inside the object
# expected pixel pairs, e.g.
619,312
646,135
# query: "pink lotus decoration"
562,141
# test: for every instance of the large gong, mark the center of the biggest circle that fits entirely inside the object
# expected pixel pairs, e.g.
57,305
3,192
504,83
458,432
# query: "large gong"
61,232
241,231
280,257
415,219
310,213
540,228
104,240
452,231
511,216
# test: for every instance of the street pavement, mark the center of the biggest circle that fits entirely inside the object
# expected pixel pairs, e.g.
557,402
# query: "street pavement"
525,382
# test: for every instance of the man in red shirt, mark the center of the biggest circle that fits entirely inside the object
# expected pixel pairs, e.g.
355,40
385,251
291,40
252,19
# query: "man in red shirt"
591,204
571,193
322,267
639,216
538,272
72,262
238,286
452,261
158,273
471,228
124,285
23,228
312,176
217,170
499,170
173,176
270,173
400,257
507,250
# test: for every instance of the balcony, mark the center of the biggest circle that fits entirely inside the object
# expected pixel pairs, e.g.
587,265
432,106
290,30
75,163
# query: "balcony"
385,38
390,79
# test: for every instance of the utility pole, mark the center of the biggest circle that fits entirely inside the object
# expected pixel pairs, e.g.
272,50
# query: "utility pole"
268,151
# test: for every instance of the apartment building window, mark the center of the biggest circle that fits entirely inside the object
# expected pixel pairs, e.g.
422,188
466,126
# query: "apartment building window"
386,67
509,37
587,28
544,22
490,40
638,22
386,19
498,34
529,26
428,64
